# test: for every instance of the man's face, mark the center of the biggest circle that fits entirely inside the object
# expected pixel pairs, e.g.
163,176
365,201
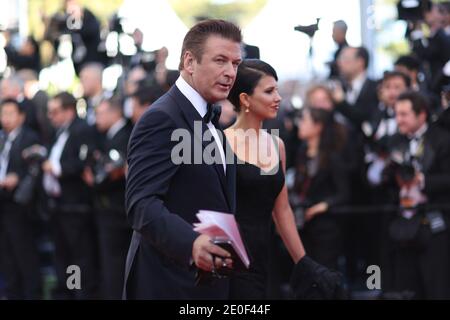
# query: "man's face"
138,109
408,121
135,75
90,81
8,90
349,65
10,117
103,117
338,35
214,75
56,113
391,89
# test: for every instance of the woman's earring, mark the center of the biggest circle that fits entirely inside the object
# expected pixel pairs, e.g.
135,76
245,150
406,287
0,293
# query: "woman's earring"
247,110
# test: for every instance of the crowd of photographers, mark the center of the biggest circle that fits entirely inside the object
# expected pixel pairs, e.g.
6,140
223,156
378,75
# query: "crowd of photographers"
373,192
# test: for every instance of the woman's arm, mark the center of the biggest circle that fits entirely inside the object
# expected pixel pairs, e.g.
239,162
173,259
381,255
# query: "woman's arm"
284,217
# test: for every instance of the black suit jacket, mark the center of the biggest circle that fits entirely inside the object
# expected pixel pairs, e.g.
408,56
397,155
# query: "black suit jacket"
17,163
330,184
111,193
75,194
435,162
365,104
162,200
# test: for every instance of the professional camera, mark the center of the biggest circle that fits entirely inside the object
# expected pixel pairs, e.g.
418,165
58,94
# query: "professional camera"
34,156
403,166
412,10
115,24
104,165
446,93
308,30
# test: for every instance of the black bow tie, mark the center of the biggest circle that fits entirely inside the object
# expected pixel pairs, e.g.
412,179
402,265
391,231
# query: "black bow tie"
213,112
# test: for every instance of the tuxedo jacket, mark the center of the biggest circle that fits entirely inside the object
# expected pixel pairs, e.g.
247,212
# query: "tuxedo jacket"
162,199
75,194
364,105
17,164
112,192
435,162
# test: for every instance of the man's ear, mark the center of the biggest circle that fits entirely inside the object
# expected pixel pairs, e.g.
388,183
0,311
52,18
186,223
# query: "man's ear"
188,62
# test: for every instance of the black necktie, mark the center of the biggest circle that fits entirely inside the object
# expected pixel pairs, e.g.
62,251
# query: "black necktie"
213,112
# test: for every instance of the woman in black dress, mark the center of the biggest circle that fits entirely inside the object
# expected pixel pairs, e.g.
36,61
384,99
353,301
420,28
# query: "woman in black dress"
321,183
261,193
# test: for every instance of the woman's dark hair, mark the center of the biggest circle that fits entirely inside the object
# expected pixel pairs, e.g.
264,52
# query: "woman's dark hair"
249,72
333,136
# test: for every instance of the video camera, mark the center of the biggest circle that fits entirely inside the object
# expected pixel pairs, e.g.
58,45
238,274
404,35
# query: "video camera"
446,93
309,30
34,156
412,10
402,166
103,165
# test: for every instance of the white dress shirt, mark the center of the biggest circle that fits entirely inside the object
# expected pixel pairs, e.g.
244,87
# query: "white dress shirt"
116,127
200,105
356,87
50,181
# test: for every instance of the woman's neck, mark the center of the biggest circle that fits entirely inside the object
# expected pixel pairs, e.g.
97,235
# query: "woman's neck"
313,146
246,122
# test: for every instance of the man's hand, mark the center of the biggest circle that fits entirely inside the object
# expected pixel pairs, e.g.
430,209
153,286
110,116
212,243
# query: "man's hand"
202,253
88,176
10,182
47,167
337,92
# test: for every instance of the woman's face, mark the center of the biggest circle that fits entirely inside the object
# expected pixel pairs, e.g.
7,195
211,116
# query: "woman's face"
265,99
319,98
307,127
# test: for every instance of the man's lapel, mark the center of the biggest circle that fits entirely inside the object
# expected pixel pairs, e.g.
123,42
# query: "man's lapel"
192,116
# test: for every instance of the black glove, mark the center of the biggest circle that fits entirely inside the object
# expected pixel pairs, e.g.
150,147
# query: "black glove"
312,281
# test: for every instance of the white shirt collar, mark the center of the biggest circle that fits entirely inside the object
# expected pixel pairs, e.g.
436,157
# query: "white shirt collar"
193,96
13,134
358,83
421,131
116,127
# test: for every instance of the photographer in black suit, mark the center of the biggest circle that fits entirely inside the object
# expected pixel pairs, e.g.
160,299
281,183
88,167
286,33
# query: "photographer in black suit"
107,175
359,98
70,199
20,252
419,235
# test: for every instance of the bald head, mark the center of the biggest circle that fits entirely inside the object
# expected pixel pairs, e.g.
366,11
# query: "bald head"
339,31
11,88
91,79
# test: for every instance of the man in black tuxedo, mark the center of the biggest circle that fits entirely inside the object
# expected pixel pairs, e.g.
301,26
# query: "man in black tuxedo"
340,38
162,197
356,103
422,266
70,199
107,175
20,258
360,97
